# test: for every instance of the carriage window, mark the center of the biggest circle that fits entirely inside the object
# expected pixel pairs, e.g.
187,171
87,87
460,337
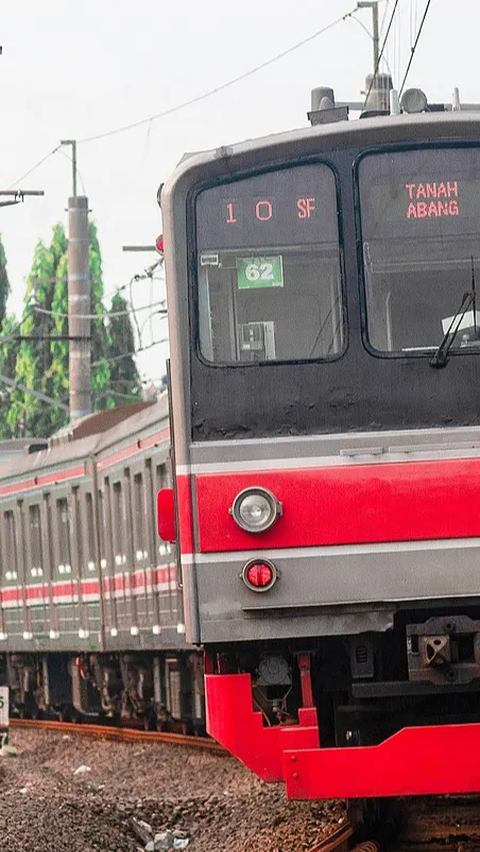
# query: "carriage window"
90,522
36,568
63,528
140,537
269,284
11,572
420,213
119,521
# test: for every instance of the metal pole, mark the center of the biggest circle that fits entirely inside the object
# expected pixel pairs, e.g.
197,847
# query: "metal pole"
376,40
73,145
373,5
78,307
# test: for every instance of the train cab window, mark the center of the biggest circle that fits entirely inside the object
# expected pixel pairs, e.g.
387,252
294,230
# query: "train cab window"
419,212
269,282
64,541
36,549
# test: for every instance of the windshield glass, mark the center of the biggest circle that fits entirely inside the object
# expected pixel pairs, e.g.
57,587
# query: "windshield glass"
420,220
269,286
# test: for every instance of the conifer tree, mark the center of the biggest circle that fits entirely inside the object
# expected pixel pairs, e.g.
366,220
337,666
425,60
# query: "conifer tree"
124,379
42,364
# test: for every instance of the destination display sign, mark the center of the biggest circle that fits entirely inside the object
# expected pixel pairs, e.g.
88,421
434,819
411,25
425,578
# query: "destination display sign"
420,193
289,207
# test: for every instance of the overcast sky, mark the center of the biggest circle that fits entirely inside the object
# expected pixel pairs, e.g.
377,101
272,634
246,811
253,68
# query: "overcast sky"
73,70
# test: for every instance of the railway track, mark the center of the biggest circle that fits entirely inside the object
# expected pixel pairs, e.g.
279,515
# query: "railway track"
343,840
124,734
426,824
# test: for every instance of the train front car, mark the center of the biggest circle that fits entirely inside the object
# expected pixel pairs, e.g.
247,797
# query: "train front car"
325,372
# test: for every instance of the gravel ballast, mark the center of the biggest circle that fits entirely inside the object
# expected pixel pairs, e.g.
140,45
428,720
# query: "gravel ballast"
46,805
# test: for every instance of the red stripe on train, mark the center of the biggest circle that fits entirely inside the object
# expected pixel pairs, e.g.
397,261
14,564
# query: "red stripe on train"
404,501
70,588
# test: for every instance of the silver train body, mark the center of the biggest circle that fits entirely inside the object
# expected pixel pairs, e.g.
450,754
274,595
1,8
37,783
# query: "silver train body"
91,618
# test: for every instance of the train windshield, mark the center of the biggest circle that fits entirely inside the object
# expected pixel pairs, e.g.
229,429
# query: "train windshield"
420,220
269,283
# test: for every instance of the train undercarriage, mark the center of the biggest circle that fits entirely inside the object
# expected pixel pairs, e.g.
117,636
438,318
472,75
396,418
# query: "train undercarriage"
333,716
159,691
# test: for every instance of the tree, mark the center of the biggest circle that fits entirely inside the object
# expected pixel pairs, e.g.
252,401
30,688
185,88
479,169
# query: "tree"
43,364
34,362
4,282
124,379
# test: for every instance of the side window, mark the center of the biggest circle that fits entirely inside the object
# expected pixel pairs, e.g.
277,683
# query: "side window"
139,519
102,506
90,527
34,520
64,533
11,574
119,520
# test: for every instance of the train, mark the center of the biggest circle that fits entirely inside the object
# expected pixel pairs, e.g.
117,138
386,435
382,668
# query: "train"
91,623
325,353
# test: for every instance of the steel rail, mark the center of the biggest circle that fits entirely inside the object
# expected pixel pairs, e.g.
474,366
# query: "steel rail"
343,840
125,734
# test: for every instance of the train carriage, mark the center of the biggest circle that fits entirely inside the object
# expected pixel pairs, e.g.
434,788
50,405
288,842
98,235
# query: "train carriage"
322,288
91,613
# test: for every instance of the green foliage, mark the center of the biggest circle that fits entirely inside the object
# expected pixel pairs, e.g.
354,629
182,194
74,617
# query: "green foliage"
43,365
4,282
124,378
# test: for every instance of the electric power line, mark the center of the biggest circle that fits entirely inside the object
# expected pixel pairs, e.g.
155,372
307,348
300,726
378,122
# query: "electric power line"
369,34
131,354
105,315
37,164
412,52
220,88
384,44
70,158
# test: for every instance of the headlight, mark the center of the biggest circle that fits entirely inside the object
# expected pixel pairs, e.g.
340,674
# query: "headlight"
256,509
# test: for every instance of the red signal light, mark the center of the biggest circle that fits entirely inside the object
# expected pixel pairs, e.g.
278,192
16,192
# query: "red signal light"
159,244
259,574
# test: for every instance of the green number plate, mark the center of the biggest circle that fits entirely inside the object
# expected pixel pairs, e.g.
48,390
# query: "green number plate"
253,272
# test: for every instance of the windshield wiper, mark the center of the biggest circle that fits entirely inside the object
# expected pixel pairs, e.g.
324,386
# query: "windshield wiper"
441,355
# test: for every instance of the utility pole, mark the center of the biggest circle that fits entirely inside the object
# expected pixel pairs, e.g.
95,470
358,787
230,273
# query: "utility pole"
79,298
79,308
373,5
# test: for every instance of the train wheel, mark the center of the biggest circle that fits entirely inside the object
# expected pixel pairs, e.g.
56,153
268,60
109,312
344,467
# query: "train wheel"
373,815
149,722
65,714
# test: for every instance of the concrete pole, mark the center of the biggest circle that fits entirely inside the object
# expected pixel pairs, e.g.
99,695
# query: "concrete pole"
79,290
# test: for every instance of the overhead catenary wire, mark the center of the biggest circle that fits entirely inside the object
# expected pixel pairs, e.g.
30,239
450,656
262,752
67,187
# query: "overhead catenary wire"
369,34
70,158
105,315
221,87
412,52
131,354
33,168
